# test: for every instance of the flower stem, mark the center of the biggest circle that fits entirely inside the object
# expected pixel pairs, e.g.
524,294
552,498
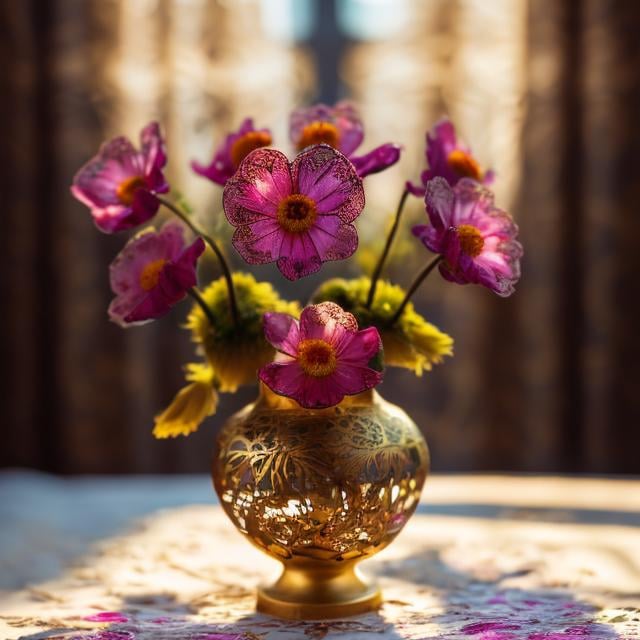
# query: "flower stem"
226,272
424,272
387,247
197,296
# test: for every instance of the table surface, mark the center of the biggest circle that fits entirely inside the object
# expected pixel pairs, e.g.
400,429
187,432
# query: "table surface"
485,557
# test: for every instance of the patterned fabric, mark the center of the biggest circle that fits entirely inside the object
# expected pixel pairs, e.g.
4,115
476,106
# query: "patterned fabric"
484,558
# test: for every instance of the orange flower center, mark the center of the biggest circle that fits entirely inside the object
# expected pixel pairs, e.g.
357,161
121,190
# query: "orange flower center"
319,132
471,240
297,213
317,358
247,143
126,190
464,164
150,274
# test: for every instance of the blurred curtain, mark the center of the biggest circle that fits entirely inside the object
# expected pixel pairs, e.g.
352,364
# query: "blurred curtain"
546,92
79,393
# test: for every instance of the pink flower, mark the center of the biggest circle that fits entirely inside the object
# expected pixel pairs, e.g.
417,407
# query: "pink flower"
476,240
297,214
152,273
341,128
236,147
323,358
120,183
449,158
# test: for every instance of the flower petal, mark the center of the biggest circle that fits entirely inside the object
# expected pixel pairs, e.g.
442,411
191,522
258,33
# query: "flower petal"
431,237
333,239
191,405
439,200
282,331
153,147
259,242
414,189
215,171
362,347
298,256
263,179
328,177
377,160
349,125
285,378
353,379
326,321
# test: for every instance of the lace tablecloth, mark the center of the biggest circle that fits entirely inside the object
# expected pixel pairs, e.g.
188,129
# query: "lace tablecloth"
485,557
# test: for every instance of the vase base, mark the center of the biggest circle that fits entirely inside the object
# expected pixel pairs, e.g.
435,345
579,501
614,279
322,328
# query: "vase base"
307,590
291,610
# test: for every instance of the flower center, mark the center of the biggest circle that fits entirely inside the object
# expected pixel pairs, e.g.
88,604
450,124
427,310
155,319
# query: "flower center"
247,143
297,213
150,274
464,164
126,190
317,133
317,358
471,240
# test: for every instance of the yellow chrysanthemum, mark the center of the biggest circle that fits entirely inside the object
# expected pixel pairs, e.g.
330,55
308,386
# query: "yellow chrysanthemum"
411,343
191,405
236,353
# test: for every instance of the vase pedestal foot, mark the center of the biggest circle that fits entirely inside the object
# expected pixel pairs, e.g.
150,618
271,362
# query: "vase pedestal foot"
310,591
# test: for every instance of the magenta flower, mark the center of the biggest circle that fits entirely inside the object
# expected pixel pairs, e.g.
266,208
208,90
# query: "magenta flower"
152,273
298,215
119,184
476,240
233,151
341,128
322,358
449,158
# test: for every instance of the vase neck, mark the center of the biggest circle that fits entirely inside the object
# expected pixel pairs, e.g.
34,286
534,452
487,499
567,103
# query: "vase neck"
272,400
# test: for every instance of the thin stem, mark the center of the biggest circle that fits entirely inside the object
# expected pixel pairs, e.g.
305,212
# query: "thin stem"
197,296
226,272
387,247
426,270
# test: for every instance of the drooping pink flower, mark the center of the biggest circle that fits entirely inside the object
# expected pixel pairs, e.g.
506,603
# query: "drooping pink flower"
119,184
236,147
449,158
298,215
322,358
152,273
476,239
341,128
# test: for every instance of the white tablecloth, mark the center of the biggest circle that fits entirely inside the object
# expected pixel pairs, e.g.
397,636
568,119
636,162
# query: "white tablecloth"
485,557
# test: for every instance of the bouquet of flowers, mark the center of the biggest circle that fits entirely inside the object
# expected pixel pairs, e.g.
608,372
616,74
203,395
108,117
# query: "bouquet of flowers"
298,214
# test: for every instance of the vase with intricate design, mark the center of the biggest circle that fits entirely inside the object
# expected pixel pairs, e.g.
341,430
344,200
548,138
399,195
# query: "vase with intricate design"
320,490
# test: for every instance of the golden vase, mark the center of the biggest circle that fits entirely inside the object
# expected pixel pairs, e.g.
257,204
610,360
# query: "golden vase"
320,490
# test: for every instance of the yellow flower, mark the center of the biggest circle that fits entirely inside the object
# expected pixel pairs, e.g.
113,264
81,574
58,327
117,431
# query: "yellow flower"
411,343
236,353
191,405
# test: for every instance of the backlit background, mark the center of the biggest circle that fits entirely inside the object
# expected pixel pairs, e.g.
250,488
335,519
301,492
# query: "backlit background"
546,92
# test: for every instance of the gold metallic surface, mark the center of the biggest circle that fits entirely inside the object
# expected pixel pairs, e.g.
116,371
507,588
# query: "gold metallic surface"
320,490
